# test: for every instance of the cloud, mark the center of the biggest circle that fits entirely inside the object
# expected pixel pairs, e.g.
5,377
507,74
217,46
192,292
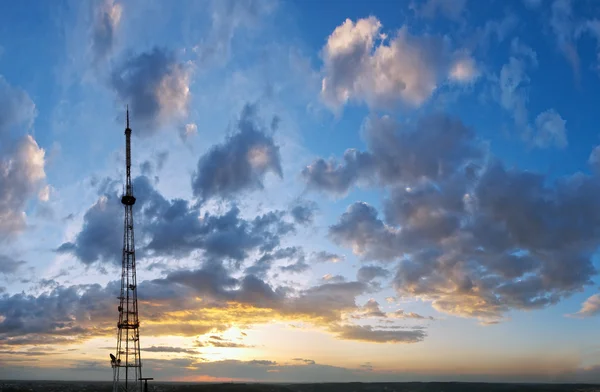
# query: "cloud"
172,228
155,86
306,361
261,266
594,158
73,314
551,130
216,341
326,257
303,212
168,349
591,307
368,334
188,131
8,265
464,70
22,171
333,278
106,21
298,267
369,272
477,239
563,26
18,108
431,149
238,164
228,18
360,66
64,314
401,314
513,91
372,309
99,238
22,161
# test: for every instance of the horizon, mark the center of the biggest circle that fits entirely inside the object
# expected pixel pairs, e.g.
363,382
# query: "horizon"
360,191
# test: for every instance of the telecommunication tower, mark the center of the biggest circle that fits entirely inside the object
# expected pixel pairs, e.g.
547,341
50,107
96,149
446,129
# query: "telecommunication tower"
127,364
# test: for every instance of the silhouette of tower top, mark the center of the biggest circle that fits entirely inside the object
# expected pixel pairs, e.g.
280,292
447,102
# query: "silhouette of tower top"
127,364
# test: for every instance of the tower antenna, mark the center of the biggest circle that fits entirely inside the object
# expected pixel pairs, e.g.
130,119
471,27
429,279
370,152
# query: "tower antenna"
127,364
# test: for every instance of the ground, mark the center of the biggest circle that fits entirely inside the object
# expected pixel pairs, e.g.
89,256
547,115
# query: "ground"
65,386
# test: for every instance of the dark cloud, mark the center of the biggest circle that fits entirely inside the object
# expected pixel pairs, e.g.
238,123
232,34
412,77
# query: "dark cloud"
306,361
168,349
156,87
324,257
63,314
99,238
433,149
372,309
75,313
333,278
368,334
303,212
8,265
360,229
24,353
479,239
369,272
172,228
222,344
298,267
264,263
240,163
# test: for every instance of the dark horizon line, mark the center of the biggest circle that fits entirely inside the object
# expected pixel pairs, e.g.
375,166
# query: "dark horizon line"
570,383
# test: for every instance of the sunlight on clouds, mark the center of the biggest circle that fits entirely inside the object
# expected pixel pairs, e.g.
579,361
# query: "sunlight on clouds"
464,70
173,93
259,157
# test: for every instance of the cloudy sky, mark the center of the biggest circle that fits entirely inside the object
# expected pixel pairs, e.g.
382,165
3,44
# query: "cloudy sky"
327,191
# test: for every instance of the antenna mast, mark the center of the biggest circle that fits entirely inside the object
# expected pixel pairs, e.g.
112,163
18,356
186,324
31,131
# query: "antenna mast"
127,364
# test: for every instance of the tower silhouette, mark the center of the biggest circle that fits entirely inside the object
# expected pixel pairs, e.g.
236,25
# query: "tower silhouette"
127,364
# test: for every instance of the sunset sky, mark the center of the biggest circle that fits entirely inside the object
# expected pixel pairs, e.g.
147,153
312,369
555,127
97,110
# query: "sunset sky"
326,190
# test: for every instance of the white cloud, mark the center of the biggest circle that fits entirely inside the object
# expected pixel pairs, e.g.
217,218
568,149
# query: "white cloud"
44,193
464,70
188,131
359,65
563,26
21,172
550,130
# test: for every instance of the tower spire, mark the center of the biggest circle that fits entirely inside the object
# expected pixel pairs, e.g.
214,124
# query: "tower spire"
127,364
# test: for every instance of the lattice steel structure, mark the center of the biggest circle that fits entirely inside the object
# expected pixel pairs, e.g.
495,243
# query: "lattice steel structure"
127,364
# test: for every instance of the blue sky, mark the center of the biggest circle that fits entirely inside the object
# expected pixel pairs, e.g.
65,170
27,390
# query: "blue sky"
338,191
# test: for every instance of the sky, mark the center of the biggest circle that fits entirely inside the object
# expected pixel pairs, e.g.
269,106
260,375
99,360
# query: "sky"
326,190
